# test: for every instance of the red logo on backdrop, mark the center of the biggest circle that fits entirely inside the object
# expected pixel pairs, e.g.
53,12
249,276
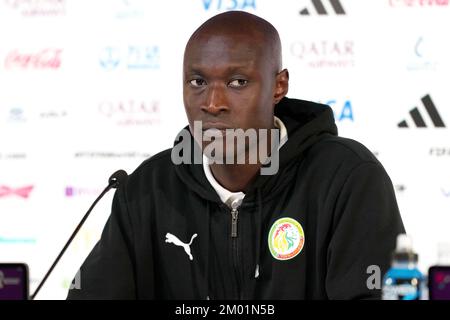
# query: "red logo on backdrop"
419,3
325,53
23,192
32,8
131,112
49,58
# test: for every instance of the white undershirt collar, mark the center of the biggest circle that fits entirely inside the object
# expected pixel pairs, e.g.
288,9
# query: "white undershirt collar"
226,196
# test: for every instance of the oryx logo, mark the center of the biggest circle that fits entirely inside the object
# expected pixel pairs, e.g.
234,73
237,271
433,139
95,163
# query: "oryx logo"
417,116
320,8
170,238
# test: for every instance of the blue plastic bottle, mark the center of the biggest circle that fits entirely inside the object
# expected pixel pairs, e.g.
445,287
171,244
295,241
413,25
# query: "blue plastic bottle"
403,281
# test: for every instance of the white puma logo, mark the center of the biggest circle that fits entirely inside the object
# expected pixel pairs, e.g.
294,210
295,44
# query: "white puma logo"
170,238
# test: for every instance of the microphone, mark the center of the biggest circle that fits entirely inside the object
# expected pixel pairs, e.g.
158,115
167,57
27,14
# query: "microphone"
116,179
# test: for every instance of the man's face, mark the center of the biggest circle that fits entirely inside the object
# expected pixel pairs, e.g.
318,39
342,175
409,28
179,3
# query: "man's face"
228,83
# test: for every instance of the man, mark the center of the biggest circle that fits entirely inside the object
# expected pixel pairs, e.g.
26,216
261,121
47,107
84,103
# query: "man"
217,230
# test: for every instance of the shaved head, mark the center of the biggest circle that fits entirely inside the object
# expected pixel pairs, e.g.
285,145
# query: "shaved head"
241,26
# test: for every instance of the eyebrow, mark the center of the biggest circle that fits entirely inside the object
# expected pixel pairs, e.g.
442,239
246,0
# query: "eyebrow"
235,68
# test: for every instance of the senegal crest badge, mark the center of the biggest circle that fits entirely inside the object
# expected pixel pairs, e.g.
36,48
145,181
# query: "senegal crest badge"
286,239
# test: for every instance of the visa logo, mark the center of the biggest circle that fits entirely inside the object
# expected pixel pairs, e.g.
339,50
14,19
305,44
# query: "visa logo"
225,5
342,110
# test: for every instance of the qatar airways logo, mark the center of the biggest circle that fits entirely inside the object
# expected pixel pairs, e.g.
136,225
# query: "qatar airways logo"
418,3
131,112
22,192
32,8
45,59
325,53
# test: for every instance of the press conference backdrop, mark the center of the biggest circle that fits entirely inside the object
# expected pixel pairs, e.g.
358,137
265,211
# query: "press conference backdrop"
91,86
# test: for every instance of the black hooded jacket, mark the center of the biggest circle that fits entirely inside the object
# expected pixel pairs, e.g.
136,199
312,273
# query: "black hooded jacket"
333,187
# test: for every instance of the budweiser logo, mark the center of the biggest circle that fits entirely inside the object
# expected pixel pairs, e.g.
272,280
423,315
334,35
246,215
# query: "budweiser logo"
45,59
23,192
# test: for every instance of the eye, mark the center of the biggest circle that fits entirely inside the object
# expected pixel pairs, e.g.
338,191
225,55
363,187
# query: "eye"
197,82
237,83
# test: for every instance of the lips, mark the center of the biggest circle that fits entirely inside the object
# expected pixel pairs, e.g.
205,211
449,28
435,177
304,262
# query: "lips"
215,125
216,129
216,133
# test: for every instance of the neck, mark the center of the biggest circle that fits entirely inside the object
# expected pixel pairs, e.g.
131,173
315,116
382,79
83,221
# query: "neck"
235,177
238,177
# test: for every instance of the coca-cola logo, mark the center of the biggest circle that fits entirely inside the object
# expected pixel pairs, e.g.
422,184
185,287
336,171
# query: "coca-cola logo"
49,58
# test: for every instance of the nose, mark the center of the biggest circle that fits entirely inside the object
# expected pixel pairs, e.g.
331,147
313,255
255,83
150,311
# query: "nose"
216,101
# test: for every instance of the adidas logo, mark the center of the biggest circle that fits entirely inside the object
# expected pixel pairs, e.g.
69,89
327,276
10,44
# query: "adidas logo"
320,8
417,116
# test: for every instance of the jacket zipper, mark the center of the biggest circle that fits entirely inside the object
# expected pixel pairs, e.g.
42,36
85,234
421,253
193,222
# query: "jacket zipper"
234,243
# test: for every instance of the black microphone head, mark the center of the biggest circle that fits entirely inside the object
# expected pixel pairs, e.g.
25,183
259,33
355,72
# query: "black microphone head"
117,178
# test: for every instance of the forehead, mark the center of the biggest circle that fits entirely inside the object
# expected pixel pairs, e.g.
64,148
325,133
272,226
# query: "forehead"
224,50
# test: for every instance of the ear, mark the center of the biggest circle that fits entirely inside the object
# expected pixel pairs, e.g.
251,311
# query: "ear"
281,85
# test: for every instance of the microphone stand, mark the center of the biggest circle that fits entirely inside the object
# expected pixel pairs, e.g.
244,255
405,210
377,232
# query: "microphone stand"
114,182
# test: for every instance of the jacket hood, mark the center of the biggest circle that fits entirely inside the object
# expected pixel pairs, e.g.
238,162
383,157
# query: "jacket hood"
305,121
